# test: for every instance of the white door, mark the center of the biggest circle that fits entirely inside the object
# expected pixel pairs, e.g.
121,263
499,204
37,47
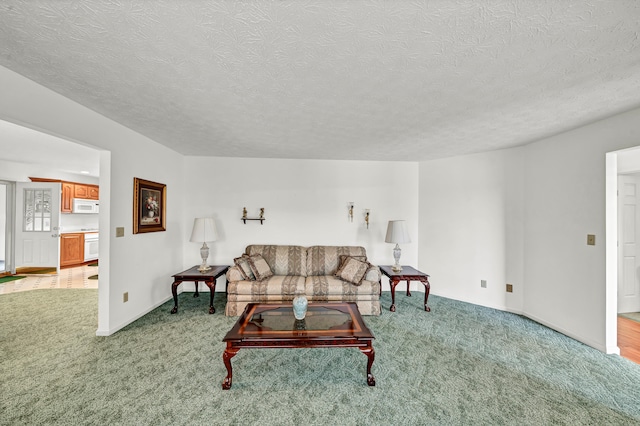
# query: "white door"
38,225
628,243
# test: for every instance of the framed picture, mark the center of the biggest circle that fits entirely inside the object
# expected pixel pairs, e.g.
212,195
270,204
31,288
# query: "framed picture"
149,206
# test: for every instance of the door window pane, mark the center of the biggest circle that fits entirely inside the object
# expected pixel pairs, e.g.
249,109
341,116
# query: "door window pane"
37,210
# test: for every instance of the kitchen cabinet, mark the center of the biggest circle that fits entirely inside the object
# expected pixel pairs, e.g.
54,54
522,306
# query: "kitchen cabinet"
88,192
71,190
80,191
71,249
66,202
94,192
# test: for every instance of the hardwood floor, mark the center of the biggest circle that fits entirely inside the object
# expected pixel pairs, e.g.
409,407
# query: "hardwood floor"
629,339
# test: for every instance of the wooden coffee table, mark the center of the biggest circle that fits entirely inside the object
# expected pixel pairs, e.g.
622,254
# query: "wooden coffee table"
264,325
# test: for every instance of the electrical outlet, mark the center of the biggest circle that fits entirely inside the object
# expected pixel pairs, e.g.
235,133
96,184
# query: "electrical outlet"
591,240
509,288
120,231
483,283
125,297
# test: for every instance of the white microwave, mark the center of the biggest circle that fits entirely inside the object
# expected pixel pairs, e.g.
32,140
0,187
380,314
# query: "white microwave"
85,206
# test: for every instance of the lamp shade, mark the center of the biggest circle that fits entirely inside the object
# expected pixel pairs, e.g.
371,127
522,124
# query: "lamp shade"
204,229
397,232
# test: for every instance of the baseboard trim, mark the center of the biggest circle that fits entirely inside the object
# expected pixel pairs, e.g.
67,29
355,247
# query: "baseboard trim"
109,332
601,347
581,339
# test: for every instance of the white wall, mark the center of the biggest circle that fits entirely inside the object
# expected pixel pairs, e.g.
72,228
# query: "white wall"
3,220
471,211
305,203
522,216
565,201
141,264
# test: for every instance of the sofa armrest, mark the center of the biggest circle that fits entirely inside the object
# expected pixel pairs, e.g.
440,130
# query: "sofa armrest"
234,274
373,274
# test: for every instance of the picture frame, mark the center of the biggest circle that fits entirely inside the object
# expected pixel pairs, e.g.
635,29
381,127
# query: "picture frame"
149,206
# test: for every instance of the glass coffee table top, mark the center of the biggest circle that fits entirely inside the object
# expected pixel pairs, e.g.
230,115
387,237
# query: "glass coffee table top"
277,321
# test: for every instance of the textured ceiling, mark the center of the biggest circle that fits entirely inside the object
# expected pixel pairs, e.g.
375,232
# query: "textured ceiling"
371,80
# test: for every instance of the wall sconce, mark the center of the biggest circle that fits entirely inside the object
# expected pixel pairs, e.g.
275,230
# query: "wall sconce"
366,217
245,218
350,207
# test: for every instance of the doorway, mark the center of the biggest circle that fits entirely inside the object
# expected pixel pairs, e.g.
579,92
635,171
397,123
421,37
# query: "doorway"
5,228
629,243
622,205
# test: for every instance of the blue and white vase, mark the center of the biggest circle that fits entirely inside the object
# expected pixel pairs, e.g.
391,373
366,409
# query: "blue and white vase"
300,304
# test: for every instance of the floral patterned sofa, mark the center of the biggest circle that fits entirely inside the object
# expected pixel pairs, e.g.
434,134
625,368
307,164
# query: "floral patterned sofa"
276,273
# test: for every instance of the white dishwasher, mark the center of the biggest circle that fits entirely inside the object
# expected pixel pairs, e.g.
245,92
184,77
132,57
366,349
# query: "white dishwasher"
91,246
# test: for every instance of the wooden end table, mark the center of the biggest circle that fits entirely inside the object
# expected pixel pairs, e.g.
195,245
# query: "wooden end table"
192,274
407,274
326,325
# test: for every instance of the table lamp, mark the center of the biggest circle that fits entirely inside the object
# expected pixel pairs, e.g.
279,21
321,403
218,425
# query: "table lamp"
204,229
397,233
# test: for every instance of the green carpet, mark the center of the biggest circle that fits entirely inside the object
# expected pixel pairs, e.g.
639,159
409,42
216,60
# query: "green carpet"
10,278
635,316
461,364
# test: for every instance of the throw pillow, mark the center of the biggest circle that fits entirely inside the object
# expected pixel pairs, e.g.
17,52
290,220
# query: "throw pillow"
260,267
344,257
245,267
353,270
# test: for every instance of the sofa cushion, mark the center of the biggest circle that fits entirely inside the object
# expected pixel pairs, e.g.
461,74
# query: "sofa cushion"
325,260
245,267
284,259
260,267
277,287
326,287
352,270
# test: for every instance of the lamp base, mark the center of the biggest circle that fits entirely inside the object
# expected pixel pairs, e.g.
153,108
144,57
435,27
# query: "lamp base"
204,254
396,256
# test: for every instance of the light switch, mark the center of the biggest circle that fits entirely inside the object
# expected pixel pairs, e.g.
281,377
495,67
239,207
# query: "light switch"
120,231
591,240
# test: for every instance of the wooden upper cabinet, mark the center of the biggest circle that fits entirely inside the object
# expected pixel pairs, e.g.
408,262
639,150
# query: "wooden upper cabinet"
71,190
89,192
80,191
94,192
66,202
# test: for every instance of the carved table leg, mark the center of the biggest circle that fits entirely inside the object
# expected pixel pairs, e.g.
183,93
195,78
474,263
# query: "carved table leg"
196,294
212,289
226,357
174,291
427,289
408,288
393,283
371,354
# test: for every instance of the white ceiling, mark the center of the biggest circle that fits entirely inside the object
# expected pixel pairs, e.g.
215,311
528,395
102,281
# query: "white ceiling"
26,146
370,80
